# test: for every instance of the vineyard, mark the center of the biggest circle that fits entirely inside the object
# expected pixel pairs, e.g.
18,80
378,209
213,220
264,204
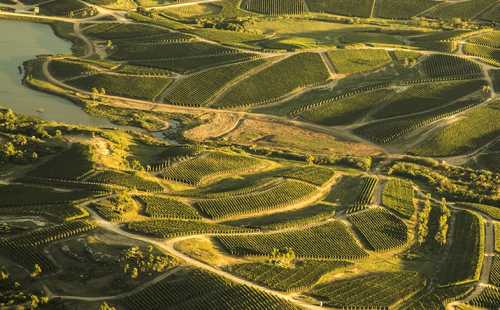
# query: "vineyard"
436,298
458,267
73,164
166,208
285,193
197,89
401,9
177,228
495,271
465,10
24,195
315,175
398,197
209,166
196,289
488,54
380,229
489,298
376,290
328,241
353,191
297,278
275,7
353,61
295,218
302,70
444,65
341,7
123,179
173,154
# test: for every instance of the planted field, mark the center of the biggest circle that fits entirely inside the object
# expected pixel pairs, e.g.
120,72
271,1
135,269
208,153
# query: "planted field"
380,229
495,271
497,237
123,85
67,8
197,89
458,267
488,54
301,70
177,228
275,7
131,52
194,10
72,164
489,39
360,8
209,166
422,97
316,175
388,131
61,69
464,10
347,110
493,14
173,154
52,233
436,298
26,256
491,211
401,9
444,65
376,290
350,61
475,128
196,289
488,299
398,197
193,63
117,31
353,191
297,278
62,212
296,218
23,195
128,180
161,207
328,241
283,194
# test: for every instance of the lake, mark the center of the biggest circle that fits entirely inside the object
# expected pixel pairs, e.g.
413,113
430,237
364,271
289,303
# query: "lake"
21,41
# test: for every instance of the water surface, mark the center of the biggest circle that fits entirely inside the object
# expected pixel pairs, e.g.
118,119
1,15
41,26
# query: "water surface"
21,41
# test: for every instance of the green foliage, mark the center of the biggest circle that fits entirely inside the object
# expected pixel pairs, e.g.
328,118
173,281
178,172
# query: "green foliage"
464,10
275,7
301,70
444,65
135,261
350,191
23,195
491,211
398,197
67,8
436,298
197,89
176,228
138,87
489,298
209,166
348,61
316,175
313,214
211,291
327,241
489,55
299,277
360,8
458,267
379,290
477,127
72,164
401,9
380,229
162,207
495,271
124,179
283,194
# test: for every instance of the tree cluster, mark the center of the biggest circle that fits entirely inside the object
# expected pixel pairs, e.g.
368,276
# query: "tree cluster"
136,262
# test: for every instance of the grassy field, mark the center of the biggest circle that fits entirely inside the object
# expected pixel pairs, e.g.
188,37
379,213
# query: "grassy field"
354,61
